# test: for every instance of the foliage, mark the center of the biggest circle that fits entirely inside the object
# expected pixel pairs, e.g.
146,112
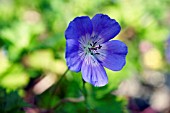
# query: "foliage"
11,102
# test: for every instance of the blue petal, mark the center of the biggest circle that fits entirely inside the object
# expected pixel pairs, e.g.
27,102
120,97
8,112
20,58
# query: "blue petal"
93,72
74,56
79,27
105,27
113,55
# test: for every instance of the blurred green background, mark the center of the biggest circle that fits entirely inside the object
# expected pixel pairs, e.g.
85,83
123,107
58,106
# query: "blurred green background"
32,50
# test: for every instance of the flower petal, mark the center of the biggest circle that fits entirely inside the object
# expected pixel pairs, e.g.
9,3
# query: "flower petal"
74,56
112,55
104,27
79,27
93,72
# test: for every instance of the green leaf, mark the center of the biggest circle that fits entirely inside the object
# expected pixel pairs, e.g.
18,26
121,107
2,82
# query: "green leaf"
11,102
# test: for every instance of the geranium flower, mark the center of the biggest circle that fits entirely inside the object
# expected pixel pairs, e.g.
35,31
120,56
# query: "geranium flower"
88,48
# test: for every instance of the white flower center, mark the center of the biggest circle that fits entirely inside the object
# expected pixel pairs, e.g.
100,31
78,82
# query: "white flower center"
89,45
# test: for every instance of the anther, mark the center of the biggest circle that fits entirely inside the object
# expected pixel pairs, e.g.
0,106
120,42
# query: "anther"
97,53
99,46
89,49
94,43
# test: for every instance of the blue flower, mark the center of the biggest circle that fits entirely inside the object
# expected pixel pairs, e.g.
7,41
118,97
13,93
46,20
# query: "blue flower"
89,48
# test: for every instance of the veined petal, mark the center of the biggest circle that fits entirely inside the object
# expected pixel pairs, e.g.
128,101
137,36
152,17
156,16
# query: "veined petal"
93,72
79,27
74,56
104,27
112,55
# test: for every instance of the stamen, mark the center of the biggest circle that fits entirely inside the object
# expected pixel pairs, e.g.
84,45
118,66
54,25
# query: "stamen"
93,48
99,46
94,43
89,49
90,46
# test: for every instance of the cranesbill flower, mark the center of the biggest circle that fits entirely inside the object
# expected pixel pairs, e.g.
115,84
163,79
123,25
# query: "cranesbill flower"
89,48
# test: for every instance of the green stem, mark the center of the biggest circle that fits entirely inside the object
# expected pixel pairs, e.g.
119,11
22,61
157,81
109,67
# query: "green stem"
85,96
84,90
57,85
61,78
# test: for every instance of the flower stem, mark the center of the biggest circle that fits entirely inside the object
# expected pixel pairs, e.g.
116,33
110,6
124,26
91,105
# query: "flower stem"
57,84
84,90
59,81
85,95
